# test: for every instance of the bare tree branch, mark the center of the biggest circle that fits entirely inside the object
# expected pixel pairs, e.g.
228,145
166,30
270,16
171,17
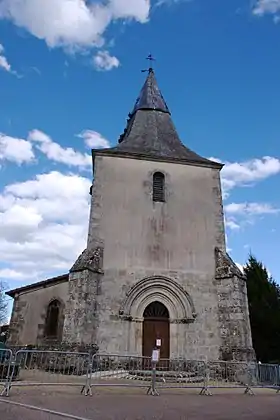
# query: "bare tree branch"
3,305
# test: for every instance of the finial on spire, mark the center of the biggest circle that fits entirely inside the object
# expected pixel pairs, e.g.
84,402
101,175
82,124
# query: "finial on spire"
151,59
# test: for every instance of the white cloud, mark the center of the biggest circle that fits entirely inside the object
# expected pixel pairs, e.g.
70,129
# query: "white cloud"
4,64
103,61
20,150
240,214
170,2
251,208
3,60
262,7
43,224
72,24
130,9
8,273
15,149
57,153
231,224
94,140
248,172
244,174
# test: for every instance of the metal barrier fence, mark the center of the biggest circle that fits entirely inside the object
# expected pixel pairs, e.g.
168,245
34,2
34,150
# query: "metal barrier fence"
6,357
220,374
35,367
268,375
120,371
181,373
132,371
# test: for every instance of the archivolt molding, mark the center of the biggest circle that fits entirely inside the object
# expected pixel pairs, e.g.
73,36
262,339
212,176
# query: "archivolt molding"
158,288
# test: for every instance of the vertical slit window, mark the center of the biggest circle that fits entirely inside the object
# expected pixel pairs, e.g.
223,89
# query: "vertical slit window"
158,187
52,320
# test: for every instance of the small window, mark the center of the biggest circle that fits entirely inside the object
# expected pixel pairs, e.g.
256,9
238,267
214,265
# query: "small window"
52,319
158,187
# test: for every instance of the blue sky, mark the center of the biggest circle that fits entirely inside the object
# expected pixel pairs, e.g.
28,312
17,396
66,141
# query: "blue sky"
70,73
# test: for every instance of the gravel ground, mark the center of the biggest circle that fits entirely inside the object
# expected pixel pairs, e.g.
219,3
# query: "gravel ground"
133,404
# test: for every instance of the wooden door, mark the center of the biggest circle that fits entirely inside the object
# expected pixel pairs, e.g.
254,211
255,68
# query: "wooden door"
154,329
156,326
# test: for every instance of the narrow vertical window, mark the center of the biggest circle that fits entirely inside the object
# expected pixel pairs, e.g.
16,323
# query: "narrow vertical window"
52,320
158,187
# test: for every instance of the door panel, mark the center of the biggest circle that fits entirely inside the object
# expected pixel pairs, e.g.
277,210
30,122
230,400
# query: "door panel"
152,330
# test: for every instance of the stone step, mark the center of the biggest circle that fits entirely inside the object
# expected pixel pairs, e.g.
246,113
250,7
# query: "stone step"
189,380
165,374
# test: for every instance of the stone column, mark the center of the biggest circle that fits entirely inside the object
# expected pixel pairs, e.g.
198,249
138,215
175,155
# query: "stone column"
81,312
16,323
233,311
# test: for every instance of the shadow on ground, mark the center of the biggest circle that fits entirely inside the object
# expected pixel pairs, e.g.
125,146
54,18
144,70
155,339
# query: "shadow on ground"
134,404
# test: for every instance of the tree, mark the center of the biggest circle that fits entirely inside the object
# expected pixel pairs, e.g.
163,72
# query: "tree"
264,307
3,305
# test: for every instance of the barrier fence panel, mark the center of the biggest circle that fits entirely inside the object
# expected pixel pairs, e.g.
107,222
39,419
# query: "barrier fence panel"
34,367
268,375
221,374
181,373
15,348
133,371
120,371
37,367
6,357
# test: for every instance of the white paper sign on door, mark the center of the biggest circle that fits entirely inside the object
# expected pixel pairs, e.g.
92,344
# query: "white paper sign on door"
155,356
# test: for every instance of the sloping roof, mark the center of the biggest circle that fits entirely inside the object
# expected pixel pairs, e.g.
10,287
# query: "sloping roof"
150,96
41,284
150,132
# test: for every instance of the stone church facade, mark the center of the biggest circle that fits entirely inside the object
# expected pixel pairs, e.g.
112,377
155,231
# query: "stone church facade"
155,266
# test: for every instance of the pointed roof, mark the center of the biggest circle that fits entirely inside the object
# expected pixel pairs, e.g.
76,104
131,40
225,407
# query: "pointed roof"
150,96
150,133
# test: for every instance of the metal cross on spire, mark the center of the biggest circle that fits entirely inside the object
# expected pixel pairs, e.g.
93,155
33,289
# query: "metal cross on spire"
151,60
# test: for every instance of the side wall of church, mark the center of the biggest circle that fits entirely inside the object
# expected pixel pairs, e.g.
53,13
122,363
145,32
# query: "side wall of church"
81,308
29,313
234,319
141,238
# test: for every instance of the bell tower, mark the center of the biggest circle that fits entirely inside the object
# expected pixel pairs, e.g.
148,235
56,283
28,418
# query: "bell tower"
156,266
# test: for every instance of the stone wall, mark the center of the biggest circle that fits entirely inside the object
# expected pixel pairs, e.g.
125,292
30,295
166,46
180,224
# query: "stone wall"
175,239
17,321
81,314
29,313
233,310
136,232
174,252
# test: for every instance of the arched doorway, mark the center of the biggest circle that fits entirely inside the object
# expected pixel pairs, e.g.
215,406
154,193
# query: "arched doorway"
156,326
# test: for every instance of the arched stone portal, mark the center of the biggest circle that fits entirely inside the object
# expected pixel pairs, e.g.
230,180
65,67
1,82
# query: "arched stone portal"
161,289
156,326
144,294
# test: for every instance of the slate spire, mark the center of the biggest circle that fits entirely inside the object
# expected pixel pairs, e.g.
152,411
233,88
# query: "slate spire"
150,133
150,96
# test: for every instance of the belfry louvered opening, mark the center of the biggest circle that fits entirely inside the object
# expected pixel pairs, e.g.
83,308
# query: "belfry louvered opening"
158,187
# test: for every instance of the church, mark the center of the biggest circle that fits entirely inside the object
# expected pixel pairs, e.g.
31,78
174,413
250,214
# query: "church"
155,269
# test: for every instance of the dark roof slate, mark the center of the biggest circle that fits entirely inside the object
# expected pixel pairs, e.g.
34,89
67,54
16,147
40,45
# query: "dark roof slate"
41,284
150,132
150,96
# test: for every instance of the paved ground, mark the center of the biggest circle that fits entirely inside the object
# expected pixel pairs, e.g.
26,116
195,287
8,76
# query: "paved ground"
133,404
